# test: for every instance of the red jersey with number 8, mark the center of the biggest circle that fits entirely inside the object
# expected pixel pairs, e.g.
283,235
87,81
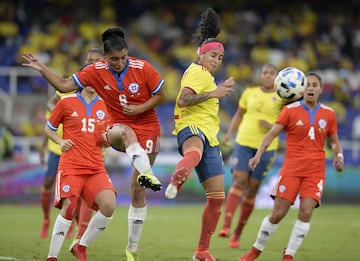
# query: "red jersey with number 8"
134,85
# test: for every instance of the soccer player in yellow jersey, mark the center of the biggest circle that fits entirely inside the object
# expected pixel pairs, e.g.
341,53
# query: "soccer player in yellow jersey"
256,113
197,125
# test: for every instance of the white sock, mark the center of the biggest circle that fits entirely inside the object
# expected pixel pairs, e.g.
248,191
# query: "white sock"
297,236
265,231
97,224
139,158
136,217
60,229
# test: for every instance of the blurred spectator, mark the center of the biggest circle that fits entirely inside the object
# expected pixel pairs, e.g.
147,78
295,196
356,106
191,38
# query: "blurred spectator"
19,117
8,27
6,142
35,126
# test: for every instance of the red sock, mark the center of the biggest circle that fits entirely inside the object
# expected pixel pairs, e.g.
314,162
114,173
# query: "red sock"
247,206
45,199
190,160
85,214
210,218
232,201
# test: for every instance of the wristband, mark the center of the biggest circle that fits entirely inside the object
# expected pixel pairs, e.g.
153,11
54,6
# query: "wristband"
340,155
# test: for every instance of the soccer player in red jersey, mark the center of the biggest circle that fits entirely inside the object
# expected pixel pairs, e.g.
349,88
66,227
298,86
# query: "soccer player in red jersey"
307,124
131,89
83,213
81,169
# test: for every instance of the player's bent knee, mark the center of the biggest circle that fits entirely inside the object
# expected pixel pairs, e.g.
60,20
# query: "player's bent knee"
106,201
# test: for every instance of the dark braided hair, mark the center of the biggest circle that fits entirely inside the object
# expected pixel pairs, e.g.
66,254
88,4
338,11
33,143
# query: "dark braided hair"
209,27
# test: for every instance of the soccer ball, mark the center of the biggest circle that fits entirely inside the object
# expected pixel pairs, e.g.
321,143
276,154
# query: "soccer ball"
290,84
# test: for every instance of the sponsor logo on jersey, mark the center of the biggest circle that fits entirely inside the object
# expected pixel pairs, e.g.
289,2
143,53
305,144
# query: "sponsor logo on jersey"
74,114
299,123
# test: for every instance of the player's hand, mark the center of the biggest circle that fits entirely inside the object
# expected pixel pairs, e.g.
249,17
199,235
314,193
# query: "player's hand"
131,109
338,163
105,140
225,140
33,61
66,145
224,89
253,162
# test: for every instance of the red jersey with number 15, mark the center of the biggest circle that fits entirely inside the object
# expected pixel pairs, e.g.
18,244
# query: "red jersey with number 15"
306,133
134,85
82,123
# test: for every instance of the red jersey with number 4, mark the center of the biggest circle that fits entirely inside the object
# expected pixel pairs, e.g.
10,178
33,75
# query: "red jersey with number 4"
134,85
82,123
306,133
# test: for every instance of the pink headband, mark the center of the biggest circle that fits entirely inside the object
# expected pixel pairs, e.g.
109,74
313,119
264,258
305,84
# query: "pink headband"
211,46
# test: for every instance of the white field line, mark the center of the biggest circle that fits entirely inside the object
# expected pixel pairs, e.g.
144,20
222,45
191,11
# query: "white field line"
16,259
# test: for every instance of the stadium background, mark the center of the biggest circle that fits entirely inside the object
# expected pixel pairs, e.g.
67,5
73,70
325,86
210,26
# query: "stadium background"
319,36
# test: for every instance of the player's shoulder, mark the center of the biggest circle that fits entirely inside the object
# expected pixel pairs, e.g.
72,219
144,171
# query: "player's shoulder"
294,105
137,63
68,97
99,65
252,89
325,107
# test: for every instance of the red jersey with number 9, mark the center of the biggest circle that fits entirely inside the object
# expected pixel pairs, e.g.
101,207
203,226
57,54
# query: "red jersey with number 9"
82,123
306,133
134,85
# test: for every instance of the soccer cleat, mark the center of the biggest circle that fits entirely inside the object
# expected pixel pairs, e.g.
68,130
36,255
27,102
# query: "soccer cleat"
287,258
73,243
45,229
203,256
131,256
177,180
224,232
251,255
51,259
234,241
149,181
79,252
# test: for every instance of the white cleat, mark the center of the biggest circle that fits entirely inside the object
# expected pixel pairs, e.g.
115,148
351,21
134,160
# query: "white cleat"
171,191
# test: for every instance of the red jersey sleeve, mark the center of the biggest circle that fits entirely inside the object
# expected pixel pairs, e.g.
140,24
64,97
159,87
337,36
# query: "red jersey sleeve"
153,78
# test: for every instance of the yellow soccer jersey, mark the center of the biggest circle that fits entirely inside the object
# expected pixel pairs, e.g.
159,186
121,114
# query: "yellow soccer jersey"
203,115
259,105
52,146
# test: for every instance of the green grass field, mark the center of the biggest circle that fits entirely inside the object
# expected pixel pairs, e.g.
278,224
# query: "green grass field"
171,233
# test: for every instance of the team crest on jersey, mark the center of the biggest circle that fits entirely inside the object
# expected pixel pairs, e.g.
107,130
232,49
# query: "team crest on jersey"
322,124
134,87
100,114
66,188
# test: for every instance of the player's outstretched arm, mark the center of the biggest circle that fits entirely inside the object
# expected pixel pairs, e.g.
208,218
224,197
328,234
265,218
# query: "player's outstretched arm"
269,137
58,82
